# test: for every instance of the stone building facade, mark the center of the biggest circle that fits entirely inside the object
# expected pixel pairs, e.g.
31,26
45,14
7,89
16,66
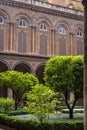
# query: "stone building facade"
32,31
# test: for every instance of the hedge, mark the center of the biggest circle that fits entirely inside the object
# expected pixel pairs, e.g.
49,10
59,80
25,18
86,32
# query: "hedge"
18,112
31,125
59,108
74,110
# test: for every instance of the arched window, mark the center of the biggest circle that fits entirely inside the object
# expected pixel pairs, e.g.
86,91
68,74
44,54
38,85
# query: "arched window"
43,27
62,30
22,23
79,33
1,20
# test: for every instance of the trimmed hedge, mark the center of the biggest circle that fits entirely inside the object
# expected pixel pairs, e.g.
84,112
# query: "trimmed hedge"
59,108
18,112
31,125
74,110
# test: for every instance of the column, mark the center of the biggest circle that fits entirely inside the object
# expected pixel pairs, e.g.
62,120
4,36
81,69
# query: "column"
52,41
33,36
11,31
85,64
71,43
9,93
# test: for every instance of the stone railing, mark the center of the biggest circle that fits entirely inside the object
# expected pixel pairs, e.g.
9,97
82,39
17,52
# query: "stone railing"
51,6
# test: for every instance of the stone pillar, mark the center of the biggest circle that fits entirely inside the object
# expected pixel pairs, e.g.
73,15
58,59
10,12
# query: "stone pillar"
9,93
33,31
71,96
11,31
52,42
71,42
85,64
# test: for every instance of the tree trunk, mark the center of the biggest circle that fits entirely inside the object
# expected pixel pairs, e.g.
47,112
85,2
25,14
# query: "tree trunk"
71,113
16,105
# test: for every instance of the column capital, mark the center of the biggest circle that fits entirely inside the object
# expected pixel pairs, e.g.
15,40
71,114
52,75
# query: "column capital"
84,2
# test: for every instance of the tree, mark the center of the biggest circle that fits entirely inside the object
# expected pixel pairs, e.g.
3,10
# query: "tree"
77,80
65,74
19,83
40,100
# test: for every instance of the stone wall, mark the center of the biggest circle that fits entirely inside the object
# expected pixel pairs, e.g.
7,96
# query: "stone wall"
32,31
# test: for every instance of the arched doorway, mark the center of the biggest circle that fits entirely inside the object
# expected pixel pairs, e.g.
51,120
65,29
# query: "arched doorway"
3,90
40,73
22,67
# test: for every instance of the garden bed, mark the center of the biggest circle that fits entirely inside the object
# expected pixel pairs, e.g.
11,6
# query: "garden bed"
32,125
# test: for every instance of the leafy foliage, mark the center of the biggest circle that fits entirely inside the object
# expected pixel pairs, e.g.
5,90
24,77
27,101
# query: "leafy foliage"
40,101
19,83
58,73
65,74
77,70
6,104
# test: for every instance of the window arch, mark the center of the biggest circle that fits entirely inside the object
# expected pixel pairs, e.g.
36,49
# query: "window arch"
22,23
79,33
43,27
1,20
62,30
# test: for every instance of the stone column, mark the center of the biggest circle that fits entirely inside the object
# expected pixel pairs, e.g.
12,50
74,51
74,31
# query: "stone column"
71,42
9,93
11,31
85,64
52,41
33,30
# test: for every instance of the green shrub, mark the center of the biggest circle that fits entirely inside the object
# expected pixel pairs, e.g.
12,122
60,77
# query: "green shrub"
6,104
31,125
65,107
74,110
59,108
41,101
78,107
18,112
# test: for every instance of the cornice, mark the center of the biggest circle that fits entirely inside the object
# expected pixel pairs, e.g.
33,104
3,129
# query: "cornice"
23,55
41,9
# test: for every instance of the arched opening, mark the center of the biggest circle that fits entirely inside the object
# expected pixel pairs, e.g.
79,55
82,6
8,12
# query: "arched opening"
3,67
3,90
22,68
40,74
